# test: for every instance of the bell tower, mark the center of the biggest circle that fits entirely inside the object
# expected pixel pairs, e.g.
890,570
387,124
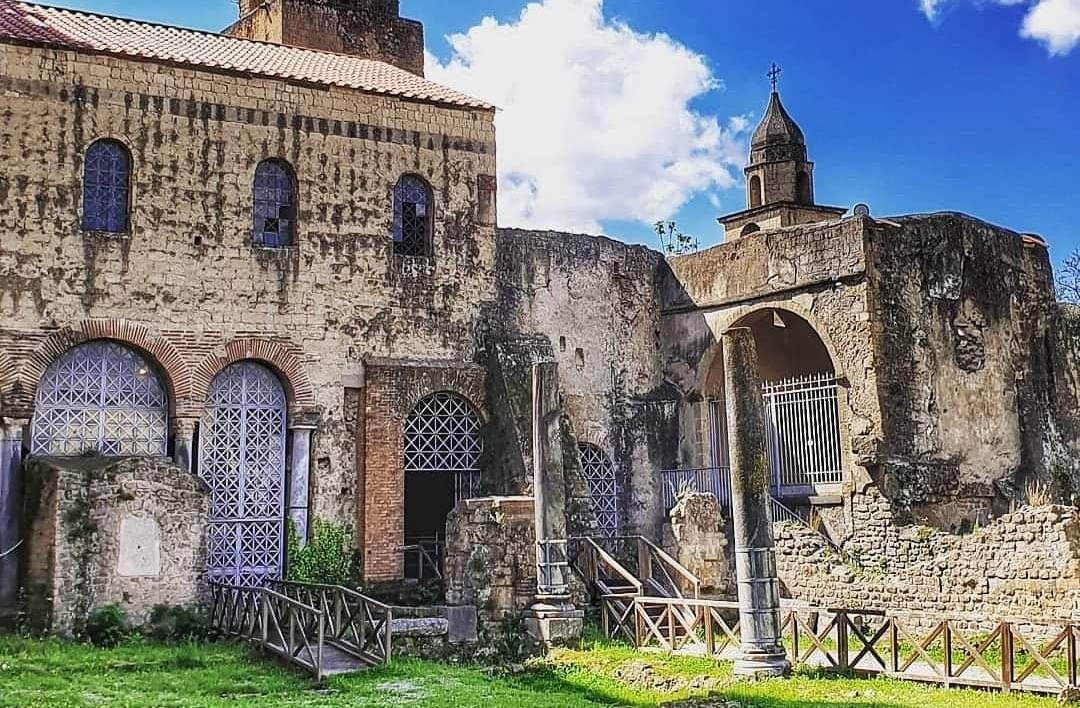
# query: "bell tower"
372,29
779,175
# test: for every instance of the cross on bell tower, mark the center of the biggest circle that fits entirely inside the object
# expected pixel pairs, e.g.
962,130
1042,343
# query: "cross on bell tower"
774,76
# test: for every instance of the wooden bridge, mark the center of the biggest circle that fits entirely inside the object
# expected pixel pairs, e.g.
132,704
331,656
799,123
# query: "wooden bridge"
324,629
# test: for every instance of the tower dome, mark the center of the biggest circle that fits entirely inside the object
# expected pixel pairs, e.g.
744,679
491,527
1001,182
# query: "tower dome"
778,137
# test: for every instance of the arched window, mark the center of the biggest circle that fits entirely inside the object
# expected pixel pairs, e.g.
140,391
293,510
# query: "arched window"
603,489
274,204
805,194
242,461
442,448
412,217
100,397
106,187
754,187
749,229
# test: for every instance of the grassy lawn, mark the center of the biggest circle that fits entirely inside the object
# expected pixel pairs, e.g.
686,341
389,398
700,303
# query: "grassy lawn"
53,674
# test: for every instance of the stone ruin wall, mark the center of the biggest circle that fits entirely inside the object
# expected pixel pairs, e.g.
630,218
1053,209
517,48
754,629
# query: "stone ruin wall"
315,310
962,315
1024,565
103,531
595,303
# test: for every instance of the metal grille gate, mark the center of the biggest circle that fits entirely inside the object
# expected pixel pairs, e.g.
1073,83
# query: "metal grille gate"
442,435
802,417
103,397
603,489
242,459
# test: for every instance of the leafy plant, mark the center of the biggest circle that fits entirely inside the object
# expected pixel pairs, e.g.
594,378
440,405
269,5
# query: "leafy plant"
107,626
674,242
175,623
329,558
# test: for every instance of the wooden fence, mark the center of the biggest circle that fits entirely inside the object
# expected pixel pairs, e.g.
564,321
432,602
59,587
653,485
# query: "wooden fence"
1010,655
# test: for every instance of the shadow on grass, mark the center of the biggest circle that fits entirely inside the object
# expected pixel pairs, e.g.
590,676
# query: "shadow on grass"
605,691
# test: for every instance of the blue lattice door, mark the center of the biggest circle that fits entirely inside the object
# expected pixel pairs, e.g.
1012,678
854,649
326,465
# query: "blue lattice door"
242,460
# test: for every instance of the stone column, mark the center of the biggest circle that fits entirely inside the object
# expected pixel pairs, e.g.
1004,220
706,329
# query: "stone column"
185,443
553,619
761,652
300,480
11,441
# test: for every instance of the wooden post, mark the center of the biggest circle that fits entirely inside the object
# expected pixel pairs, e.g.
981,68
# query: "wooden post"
842,654
710,635
946,635
1007,656
1071,653
894,646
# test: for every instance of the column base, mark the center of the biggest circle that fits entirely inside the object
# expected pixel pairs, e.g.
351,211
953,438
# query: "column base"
754,665
552,625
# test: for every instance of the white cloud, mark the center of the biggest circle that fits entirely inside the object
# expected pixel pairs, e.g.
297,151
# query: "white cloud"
1055,23
594,119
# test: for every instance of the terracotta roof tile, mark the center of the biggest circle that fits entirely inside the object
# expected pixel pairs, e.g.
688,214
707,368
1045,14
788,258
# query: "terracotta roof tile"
71,29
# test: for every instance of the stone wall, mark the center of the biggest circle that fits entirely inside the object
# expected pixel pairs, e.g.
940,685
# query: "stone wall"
696,536
1024,565
595,302
491,558
372,29
962,314
102,531
186,286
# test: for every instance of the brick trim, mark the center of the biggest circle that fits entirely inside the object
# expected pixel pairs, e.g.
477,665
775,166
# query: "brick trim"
170,364
282,358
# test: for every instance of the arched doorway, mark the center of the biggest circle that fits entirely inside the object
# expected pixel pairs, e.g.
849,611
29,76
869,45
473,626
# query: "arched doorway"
100,397
603,490
442,448
242,460
801,396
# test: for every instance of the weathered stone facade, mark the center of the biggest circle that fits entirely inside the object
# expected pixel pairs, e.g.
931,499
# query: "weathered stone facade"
955,369
103,531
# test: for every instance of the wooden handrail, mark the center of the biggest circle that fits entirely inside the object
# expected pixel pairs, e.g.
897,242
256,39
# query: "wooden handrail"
672,564
602,557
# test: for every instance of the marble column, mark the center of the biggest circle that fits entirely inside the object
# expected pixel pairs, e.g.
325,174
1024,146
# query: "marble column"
761,652
553,619
184,433
11,441
300,481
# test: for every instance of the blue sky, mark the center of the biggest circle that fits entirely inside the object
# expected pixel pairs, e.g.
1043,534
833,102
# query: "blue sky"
907,113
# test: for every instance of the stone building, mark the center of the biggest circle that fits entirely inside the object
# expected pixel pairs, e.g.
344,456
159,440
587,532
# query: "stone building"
269,256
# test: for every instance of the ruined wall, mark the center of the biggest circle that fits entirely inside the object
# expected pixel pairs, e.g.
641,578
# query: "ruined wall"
1062,445
595,300
962,313
1023,565
372,29
101,531
186,285
491,557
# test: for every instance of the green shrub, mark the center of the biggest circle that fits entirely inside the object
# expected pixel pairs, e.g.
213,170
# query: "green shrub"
107,626
329,558
174,623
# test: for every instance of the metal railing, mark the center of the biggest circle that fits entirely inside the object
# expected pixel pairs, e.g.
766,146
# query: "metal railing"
422,559
710,480
552,567
802,418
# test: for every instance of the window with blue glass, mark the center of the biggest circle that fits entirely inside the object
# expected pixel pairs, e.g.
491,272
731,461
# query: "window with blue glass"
412,217
106,187
274,204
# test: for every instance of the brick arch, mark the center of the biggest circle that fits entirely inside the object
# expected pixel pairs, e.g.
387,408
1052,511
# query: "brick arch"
279,356
8,377
172,367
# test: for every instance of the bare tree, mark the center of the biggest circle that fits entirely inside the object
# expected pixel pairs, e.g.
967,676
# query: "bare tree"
672,241
1068,279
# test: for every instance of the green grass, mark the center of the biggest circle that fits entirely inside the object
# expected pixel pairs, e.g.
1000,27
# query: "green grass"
54,674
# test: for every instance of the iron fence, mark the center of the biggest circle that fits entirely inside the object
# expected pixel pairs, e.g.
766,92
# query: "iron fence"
802,417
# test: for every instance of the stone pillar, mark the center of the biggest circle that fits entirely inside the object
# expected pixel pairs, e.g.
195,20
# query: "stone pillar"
553,619
183,454
300,480
11,441
761,652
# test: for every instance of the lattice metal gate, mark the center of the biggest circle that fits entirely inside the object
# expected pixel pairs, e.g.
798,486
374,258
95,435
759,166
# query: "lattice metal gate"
802,416
603,489
242,459
442,436
101,397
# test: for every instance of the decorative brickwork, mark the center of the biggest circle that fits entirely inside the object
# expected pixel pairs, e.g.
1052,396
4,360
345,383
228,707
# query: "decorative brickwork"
282,358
